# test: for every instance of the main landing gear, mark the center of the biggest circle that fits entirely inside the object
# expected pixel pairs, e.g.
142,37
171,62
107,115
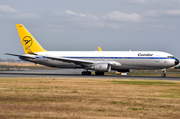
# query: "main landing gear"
164,72
89,73
86,73
99,73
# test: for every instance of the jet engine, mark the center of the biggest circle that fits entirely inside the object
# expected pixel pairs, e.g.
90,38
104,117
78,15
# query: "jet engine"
102,67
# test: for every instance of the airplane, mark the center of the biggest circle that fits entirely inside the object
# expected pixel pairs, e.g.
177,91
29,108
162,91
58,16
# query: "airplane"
98,61
99,48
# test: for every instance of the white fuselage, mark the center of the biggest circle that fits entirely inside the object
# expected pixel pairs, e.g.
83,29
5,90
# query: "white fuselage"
120,59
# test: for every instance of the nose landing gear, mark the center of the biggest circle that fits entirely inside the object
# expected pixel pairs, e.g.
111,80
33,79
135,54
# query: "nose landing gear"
164,72
163,75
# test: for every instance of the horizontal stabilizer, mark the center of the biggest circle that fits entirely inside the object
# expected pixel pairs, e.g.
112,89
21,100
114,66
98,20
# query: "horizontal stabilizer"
27,56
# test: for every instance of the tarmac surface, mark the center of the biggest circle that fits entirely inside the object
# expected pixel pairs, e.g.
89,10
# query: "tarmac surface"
70,73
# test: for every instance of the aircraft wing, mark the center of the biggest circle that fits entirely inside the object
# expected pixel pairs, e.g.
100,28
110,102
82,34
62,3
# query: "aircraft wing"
82,62
71,60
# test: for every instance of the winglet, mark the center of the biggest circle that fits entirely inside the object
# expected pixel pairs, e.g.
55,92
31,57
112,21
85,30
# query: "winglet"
28,42
99,49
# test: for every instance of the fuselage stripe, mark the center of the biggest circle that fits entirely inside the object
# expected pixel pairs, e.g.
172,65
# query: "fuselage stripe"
118,57
114,57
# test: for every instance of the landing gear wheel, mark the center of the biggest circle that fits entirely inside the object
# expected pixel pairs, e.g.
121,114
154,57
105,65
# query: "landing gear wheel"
99,73
83,73
163,75
86,73
164,72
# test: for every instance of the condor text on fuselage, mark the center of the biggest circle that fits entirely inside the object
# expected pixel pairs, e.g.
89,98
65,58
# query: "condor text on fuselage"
145,54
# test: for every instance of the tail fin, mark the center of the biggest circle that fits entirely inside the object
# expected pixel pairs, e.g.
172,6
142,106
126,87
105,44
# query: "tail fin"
99,49
28,42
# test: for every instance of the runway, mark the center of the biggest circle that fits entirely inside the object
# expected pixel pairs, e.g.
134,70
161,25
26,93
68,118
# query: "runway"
69,73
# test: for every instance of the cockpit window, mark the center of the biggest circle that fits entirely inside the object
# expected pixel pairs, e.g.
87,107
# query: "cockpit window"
170,57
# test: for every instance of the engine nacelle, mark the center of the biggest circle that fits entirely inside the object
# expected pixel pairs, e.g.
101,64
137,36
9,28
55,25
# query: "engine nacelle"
102,67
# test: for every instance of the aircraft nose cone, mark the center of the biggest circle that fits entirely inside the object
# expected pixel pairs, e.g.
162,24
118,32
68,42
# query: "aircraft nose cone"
176,62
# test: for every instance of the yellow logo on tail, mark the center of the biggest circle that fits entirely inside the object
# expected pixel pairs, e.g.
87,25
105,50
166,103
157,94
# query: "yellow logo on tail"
28,42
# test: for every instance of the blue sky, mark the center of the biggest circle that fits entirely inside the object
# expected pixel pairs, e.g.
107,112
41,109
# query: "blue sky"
83,25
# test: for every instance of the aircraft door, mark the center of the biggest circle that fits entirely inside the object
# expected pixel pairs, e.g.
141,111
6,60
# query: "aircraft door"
157,58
